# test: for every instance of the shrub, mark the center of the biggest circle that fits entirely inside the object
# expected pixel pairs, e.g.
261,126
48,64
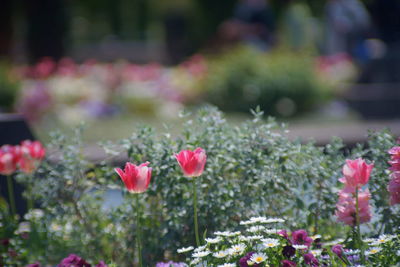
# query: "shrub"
282,83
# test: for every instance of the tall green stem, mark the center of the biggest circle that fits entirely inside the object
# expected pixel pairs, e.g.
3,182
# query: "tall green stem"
359,241
11,197
196,226
138,230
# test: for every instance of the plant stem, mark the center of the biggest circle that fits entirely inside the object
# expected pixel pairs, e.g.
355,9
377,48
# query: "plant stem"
196,226
359,241
138,233
11,198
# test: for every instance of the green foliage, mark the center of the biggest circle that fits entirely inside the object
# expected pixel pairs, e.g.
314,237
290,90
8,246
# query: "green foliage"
282,83
252,169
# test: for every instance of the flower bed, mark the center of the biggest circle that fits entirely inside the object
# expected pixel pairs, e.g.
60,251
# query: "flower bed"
175,201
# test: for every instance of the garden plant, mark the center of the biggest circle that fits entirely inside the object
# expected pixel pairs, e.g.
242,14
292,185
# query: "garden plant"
246,195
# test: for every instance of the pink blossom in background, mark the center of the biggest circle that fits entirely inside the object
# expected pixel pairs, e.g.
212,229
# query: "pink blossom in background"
356,173
395,158
192,162
394,183
346,207
34,101
135,178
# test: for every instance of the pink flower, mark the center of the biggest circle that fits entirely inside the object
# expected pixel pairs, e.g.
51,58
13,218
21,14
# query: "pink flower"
395,158
300,237
31,155
192,162
356,173
9,156
136,178
394,188
346,207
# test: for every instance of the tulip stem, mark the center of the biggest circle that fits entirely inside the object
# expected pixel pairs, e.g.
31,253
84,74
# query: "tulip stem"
138,233
196,226
359,241
11,198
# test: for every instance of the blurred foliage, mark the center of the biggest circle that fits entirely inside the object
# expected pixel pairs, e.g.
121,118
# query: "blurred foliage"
252,169
8,87
282,83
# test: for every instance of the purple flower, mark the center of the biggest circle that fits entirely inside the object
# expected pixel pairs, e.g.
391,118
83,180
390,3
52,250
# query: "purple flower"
101,264
243,261
284,234
338,250
300,237
310,259
171,264
288,263
73,261
288,251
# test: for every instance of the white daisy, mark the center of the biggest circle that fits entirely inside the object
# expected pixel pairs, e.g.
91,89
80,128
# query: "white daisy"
183,250
382,239
221,254
316,237
274,220
227,233
201,248
270,242
300,246
316,252
370,240
195,261
259,219
246,222
214,240
373,250
351,251
250,238
227,265
237,249
271,231
258,257
201,254
256,228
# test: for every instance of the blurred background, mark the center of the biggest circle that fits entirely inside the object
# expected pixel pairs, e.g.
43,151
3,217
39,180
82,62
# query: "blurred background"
328,67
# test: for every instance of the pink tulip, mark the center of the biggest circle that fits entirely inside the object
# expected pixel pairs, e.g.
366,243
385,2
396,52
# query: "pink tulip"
9,156
395,158
32,152
356,173
192,162
136,178
394,188
346,207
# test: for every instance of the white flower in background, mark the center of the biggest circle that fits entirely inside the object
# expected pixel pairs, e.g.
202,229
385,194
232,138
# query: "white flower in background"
35,214
258,257
227,233
382,239
183,250
201,248
300,246
246,222
370,240
271,231
228,265
237,249
23,227
250,238
260,219
316,252
351,251
201,254
256,228
398,253
274,220
214,240
270,242
373,250
334,242
221,254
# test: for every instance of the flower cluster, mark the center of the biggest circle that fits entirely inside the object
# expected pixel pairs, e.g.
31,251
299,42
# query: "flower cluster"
356,174
280,248
72,261
394,183
25,156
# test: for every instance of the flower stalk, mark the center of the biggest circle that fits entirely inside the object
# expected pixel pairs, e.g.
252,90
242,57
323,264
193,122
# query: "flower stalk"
138,230
11,197
359,240
196,226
